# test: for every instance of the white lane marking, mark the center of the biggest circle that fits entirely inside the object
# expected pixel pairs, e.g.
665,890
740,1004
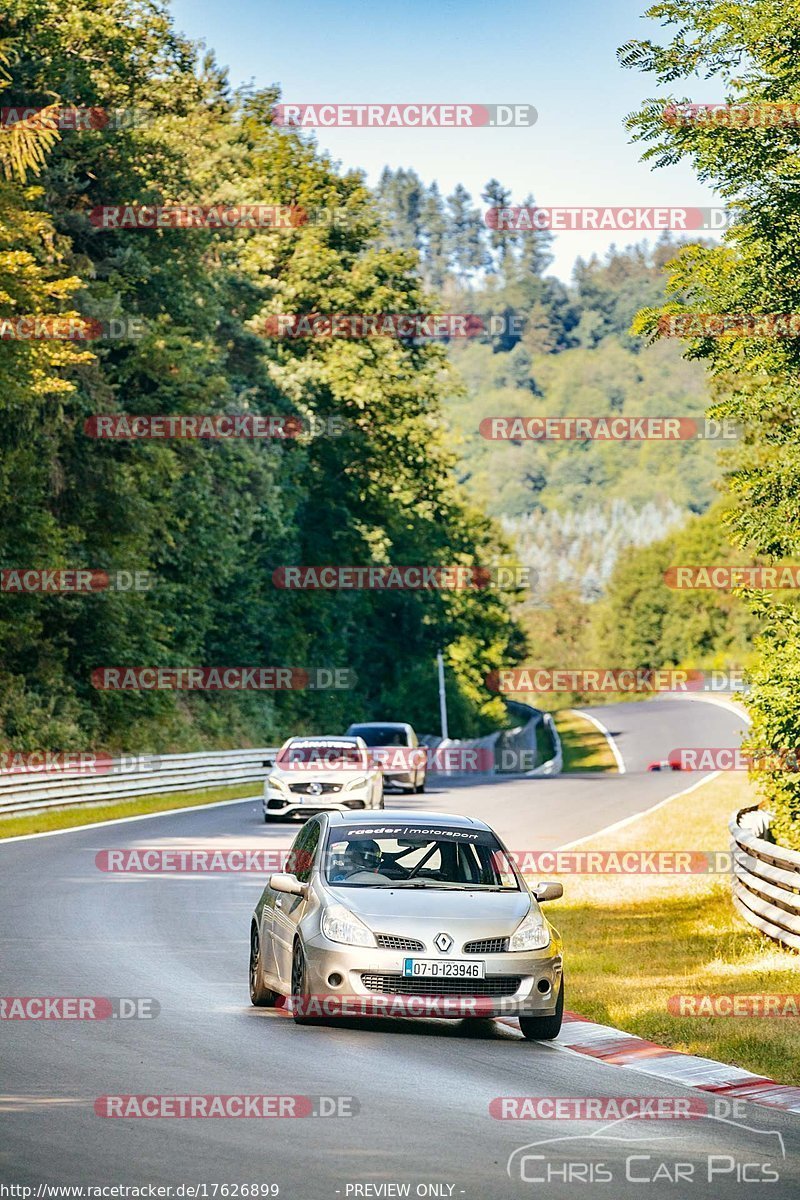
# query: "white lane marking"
165,812
684,792
732,706
612,745
644,812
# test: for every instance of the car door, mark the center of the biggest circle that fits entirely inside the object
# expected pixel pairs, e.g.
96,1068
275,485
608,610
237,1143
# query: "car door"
287,910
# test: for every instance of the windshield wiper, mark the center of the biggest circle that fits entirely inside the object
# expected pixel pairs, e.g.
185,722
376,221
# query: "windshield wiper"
424,883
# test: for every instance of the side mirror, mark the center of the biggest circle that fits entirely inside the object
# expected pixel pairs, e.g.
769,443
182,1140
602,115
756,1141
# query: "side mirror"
281,881
548,891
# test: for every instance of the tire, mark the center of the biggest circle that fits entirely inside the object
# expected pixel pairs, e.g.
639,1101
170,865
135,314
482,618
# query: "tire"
260,996
299,987
544,1029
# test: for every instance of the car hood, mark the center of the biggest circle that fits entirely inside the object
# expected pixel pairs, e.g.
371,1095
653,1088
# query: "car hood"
403,910
318,775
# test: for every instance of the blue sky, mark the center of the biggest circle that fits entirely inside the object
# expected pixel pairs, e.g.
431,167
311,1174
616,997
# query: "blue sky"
559,57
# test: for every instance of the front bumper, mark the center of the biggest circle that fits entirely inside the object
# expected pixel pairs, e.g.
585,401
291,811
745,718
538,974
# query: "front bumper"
297,804
404,779
336,974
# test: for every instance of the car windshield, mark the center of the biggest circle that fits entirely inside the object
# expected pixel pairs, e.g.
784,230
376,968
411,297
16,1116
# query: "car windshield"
381,735
325,755
408,856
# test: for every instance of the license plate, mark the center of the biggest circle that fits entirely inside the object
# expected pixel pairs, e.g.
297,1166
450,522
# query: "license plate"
434,968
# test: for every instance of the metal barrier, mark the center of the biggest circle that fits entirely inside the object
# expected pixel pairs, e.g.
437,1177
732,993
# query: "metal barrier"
554,765
515,751
157,774
122,778
766,879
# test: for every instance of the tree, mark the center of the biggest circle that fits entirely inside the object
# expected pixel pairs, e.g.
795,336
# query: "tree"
750,157
466,235
501,240
211,520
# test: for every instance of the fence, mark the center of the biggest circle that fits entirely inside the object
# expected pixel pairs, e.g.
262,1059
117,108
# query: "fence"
122,778
766,879
153,775
517,750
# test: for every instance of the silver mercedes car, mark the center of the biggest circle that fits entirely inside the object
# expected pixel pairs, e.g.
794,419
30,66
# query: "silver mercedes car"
406,914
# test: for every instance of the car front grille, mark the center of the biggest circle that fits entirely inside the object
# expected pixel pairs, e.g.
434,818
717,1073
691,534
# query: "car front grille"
497,985
487,946
387,941
325,788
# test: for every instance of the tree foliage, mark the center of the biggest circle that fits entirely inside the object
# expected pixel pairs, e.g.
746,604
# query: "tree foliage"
212,520
751,51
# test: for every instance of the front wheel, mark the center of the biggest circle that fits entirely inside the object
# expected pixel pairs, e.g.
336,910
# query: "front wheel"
260,995
299,986
544,1029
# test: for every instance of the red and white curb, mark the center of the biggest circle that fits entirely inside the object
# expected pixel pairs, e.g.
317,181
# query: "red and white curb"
619,1049
613,1046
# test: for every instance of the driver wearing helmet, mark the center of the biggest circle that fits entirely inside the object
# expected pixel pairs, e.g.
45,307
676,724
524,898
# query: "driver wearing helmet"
361,856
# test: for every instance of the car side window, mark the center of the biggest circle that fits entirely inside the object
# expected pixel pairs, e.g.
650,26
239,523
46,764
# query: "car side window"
303,851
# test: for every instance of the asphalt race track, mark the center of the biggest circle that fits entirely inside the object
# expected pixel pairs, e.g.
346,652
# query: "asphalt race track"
422,1088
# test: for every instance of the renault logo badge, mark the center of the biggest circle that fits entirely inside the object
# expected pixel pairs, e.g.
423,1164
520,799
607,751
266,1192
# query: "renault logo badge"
443,942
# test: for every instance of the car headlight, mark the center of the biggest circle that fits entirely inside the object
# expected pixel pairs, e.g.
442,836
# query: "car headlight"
274,781
355,783
340,925
532,933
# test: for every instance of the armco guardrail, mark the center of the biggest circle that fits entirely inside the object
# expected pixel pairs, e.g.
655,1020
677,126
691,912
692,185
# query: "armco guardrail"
515,751
554,765
766,879
157,774
122,778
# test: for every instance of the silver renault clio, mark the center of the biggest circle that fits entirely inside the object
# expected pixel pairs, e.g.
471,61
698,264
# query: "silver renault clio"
400,913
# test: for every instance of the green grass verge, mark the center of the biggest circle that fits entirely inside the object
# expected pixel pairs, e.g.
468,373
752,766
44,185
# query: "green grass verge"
632,941
584,747
87,814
